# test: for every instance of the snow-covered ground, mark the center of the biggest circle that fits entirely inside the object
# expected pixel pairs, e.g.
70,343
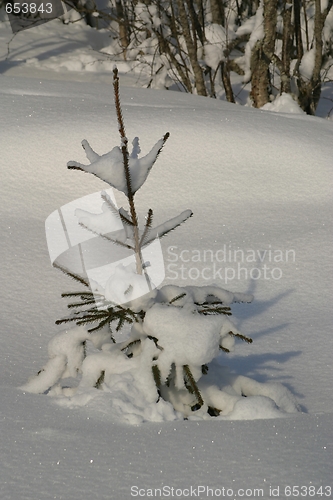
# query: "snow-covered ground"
256,181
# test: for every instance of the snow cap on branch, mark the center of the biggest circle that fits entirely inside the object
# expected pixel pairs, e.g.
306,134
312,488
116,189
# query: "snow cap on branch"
111,218
200,294
129,288
110,166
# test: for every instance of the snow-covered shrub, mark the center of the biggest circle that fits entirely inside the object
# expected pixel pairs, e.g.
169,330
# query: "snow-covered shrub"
166,367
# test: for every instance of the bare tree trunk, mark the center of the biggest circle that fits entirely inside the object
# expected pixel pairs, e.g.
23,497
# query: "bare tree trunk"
286,49
197,28
191,48
217,11
310,90
166,47
225,74
298,30
262,56
316,80
123,26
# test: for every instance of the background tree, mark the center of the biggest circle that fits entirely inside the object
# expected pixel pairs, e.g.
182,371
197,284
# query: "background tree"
205,46
262,55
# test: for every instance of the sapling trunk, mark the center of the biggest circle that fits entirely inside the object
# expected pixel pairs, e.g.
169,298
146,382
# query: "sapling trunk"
130,194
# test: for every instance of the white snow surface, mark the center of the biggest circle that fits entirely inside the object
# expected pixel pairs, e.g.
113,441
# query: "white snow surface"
283,103
258,183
